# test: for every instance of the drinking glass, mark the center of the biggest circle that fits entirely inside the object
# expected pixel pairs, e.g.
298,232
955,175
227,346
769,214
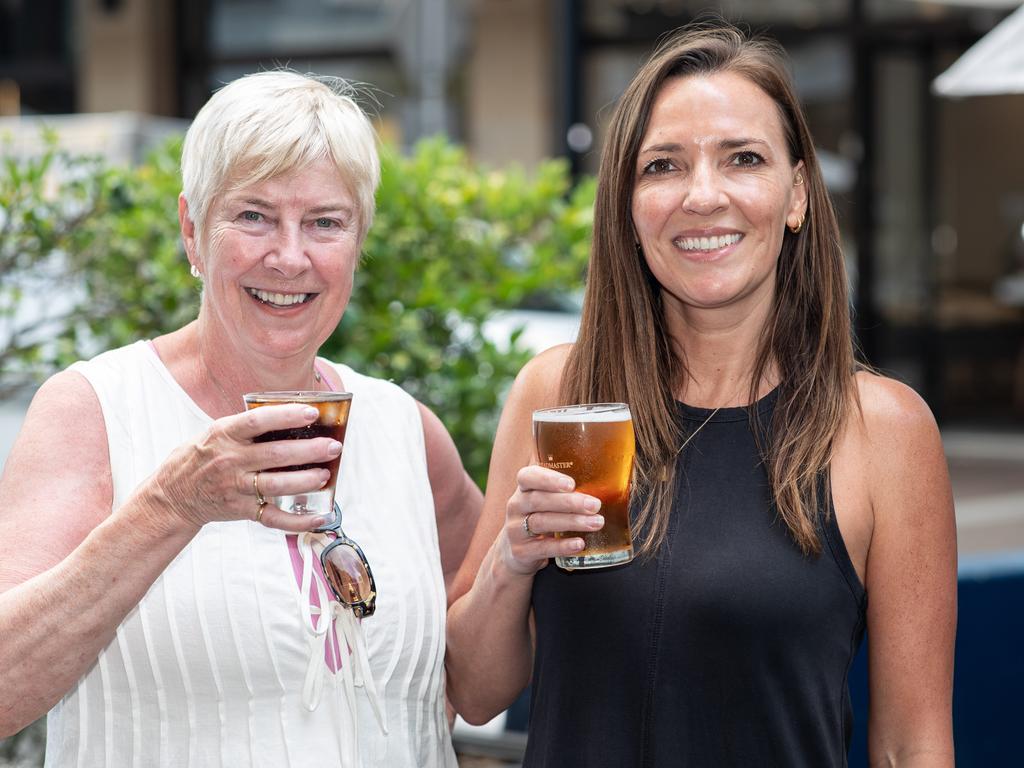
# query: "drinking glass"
593,444
332,422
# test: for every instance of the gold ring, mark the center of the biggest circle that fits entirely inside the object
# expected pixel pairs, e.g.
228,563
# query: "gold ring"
526,526
256,487
259,511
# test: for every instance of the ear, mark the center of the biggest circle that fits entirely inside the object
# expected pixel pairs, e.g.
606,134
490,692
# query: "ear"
188,230
798,202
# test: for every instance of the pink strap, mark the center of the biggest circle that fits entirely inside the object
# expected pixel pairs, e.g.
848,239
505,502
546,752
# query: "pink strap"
323,374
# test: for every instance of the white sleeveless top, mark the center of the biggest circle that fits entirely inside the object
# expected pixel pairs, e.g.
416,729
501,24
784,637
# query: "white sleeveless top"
210,668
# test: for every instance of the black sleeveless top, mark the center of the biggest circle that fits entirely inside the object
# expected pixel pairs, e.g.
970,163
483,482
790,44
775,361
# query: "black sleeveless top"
728,648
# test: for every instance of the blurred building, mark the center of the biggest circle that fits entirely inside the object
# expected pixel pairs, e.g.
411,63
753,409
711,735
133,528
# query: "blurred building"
930,191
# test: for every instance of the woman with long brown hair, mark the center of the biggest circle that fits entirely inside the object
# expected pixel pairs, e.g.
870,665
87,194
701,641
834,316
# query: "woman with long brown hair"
785,497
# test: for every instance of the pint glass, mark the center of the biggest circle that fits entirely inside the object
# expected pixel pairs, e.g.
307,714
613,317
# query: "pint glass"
333,422
594,445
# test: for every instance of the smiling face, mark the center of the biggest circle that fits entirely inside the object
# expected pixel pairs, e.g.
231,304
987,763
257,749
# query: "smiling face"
715,188
277,261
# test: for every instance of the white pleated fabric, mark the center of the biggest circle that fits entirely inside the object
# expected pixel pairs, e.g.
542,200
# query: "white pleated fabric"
210,668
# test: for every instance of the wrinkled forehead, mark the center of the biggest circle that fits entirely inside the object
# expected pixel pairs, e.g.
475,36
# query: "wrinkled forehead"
257,176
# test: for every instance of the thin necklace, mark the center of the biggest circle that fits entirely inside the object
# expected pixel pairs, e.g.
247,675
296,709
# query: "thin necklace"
317,379
686,442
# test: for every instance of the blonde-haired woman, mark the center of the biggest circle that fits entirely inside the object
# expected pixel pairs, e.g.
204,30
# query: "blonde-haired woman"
785,498
149,594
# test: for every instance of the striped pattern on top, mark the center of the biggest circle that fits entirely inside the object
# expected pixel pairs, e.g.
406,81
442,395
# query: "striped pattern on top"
208,669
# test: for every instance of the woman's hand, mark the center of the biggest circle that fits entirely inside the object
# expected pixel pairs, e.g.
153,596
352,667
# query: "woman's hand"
213,478
545,503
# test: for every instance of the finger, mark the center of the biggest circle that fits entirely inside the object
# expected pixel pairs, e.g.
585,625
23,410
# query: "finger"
291,483
525,502
552,522
268,418
528,556
275,517
292,453
536,477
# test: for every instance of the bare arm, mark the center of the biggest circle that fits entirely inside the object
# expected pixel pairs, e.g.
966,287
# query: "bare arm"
457,500
71,569
490,646
911,581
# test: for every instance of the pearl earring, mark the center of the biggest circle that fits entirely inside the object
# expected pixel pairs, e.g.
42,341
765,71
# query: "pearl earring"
194,271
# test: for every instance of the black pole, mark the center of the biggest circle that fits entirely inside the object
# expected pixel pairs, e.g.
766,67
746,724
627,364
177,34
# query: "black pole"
568,79
931,384
866,317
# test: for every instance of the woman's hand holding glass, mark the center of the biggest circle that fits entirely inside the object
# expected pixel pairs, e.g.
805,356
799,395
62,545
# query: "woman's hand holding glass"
545,503
215,478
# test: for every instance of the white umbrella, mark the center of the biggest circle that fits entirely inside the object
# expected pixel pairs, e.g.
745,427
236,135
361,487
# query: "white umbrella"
994,65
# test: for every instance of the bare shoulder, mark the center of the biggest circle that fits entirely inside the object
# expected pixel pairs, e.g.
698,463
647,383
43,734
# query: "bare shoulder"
64,414
903,464
434,429
444,465
893,415
539,381
57,475
536,386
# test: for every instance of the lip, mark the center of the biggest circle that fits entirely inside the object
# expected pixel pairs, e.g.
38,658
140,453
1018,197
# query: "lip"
311,296
713,254
707,232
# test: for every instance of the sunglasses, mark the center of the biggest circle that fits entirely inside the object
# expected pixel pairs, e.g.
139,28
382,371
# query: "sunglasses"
347,570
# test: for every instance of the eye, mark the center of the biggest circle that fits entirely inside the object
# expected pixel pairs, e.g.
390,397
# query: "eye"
657,166
253,216
747,159
325,223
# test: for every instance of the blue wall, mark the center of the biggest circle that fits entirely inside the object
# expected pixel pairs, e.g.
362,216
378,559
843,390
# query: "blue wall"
988,680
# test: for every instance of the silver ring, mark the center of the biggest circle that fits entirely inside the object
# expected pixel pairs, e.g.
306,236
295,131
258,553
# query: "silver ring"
526,526
256,487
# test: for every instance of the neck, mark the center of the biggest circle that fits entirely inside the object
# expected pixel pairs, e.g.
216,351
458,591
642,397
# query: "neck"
720,350
222,372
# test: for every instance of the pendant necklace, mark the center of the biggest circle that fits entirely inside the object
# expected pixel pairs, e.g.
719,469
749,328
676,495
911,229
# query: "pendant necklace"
664,469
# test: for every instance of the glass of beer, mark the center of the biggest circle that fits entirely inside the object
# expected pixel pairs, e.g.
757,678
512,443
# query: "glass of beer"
594,445
333,422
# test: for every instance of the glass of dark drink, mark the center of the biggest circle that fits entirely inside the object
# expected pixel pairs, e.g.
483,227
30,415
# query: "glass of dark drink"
593,444
333,422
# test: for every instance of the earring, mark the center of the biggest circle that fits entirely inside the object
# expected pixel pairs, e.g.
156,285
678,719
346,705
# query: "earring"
798,227
799,180
194,271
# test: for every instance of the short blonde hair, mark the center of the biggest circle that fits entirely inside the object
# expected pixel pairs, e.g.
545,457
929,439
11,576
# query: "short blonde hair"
269,123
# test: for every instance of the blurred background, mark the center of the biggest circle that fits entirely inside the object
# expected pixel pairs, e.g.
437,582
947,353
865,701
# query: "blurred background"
926,173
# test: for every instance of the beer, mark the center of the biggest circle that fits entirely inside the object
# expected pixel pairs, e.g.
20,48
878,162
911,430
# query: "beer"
594,445
333,422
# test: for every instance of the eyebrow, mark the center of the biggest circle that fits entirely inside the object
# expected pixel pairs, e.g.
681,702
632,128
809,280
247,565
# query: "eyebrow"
724,144
325,208
737,143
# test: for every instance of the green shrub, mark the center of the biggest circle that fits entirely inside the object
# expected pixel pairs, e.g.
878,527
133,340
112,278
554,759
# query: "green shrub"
451,244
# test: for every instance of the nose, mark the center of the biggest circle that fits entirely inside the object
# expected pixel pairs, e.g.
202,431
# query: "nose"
704,193
287,254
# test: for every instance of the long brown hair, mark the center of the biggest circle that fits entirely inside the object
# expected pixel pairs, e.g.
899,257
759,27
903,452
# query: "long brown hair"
623,351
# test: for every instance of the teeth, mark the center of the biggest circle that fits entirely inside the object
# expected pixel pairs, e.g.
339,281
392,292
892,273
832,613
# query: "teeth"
280,299
707,243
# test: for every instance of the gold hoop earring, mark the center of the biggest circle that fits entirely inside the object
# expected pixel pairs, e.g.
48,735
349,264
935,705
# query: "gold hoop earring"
799,180
799,225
